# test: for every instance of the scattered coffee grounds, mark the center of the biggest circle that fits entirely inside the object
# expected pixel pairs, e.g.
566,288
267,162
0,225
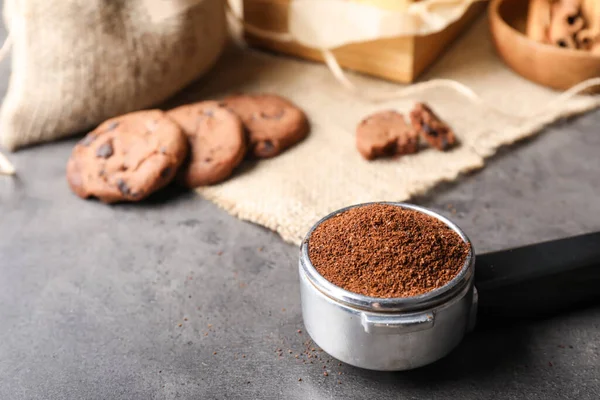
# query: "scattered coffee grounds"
381,250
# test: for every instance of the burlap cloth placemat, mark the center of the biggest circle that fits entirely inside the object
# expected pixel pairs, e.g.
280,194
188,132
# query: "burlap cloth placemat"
291,192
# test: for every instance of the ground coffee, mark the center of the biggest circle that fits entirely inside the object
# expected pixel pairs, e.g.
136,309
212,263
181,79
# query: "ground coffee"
382,250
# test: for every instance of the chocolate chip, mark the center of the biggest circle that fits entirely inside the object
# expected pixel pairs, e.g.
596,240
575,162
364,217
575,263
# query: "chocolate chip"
86,141
165,172
429,130
112,126
266,148
390,149
445,143
571,19
278,115
123,188
562,43
105,151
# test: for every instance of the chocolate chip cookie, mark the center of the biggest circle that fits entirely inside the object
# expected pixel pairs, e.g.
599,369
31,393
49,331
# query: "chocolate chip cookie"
273,123
127,158
435,131
217,142
385,133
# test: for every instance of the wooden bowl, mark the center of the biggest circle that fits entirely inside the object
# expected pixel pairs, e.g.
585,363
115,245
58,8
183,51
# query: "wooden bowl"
548,65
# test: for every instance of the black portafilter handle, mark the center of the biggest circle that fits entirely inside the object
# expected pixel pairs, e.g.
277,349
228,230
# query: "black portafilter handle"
539,280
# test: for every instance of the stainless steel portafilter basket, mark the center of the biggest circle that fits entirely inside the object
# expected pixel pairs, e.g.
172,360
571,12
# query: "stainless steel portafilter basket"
393,334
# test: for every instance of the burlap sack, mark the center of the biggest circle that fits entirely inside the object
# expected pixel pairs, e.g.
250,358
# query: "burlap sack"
76,63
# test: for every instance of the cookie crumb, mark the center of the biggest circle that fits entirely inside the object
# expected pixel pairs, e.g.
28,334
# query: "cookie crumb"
299,379
325,373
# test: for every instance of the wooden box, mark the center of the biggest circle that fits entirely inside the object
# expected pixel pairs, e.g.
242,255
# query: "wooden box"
400,59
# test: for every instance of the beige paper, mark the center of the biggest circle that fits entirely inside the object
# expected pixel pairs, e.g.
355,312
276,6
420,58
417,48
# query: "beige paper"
291,192
160,10
326,24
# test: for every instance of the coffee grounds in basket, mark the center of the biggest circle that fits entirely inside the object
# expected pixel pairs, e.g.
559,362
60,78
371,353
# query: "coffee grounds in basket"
381,250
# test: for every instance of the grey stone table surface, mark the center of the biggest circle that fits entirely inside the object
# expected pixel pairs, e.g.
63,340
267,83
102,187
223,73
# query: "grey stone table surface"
175,299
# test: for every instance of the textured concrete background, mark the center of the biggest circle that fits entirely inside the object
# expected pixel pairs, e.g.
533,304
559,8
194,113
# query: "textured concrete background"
92,297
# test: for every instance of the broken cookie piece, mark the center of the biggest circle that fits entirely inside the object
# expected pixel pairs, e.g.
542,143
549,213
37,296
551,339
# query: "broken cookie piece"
385,134
435,131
